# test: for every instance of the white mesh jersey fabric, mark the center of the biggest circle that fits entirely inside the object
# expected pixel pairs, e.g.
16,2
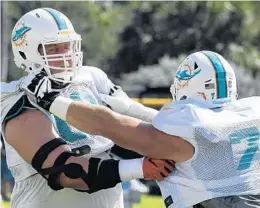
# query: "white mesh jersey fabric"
85,91
226,159
86,87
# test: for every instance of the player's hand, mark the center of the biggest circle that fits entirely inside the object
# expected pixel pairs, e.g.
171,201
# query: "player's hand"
117,100
40,89
155,169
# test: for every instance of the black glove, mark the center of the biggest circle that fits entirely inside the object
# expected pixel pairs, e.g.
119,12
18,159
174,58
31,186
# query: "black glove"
40,89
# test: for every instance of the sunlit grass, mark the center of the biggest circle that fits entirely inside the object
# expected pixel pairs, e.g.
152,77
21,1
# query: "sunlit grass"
150,202
5,205
146,202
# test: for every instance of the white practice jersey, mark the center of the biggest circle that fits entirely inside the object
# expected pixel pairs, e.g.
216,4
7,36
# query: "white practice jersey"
226,161
31,189
86,87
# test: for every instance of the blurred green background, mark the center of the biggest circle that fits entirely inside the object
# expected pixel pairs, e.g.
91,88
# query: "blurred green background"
141,43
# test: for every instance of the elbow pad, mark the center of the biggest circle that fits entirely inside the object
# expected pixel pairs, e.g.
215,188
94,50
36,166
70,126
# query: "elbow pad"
51,174
102,174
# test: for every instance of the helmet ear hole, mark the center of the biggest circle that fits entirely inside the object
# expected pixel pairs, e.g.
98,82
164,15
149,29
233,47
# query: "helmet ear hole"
40,49
22,54
184,97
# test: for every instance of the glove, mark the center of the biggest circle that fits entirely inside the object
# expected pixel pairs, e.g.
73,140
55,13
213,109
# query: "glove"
156,169
117,100
40,89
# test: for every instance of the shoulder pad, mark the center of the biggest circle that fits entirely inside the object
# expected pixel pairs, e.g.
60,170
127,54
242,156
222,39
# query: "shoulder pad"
10,87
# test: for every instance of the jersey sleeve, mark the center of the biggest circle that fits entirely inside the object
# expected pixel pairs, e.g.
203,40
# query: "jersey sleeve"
12,100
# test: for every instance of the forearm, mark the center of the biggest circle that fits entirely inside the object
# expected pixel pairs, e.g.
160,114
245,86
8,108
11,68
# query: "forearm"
102,121
86,117
125,131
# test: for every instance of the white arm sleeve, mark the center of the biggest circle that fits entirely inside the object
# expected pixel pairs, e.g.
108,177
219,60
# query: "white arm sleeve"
142,112
136,110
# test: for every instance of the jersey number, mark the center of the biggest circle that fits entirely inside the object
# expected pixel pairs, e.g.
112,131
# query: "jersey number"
251,137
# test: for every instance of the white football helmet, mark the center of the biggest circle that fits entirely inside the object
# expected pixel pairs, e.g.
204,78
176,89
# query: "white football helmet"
205,76
36,30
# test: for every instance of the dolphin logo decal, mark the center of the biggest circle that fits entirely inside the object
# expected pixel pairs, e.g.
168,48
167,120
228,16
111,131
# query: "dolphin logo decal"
183,75
187,74
20,33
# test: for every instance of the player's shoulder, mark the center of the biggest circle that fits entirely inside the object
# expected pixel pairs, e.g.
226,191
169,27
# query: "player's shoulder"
28,118
9,87
251,103
13,100
30,122
254,100
93,71
9,98
92,74
177,118
183,111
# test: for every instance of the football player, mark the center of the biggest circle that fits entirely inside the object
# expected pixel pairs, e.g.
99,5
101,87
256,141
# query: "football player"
212,136
53,163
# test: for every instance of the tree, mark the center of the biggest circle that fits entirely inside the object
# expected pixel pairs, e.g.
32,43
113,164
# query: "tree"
174,28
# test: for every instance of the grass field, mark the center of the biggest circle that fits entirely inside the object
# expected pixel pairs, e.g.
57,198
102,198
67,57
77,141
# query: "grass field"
6,205
150,202
146,202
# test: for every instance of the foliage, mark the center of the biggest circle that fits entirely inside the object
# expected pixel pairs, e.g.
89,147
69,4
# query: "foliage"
119,37
98,24
162,74
173,28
